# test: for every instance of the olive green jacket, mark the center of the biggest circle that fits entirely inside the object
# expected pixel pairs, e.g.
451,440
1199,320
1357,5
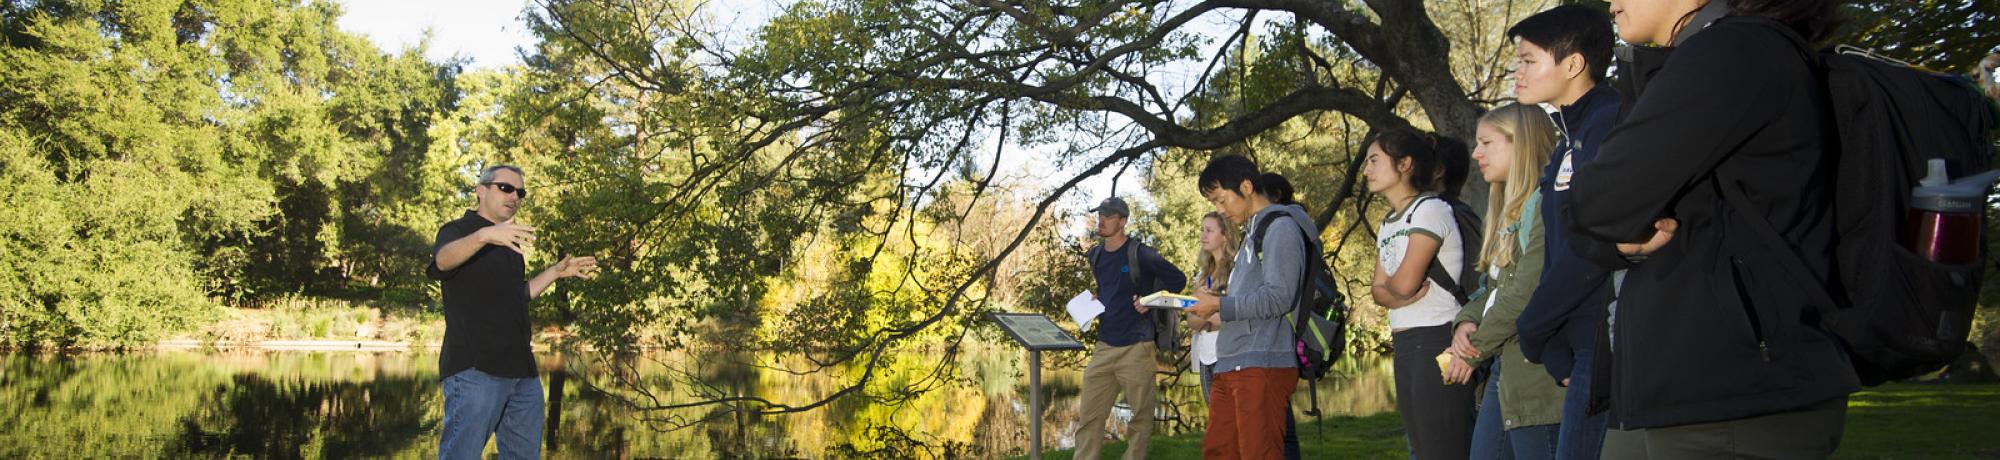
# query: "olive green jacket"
1528,397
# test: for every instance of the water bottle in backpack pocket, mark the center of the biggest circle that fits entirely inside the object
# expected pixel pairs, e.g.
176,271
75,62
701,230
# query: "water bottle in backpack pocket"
1909,255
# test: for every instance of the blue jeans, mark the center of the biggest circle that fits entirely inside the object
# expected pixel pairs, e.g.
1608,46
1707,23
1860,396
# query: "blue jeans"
1207,379
1491,440
1489,433
1533,443
478,406
1582,436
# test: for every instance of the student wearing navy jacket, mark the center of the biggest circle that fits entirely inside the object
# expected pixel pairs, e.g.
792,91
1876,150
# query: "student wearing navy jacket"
1564,54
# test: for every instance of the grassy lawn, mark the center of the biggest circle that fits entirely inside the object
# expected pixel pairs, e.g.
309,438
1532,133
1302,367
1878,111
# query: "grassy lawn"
1899,421
1896,421
1375,436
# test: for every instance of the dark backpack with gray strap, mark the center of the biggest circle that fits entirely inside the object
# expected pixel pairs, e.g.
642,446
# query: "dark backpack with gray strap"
1899,315
1469,234
1322,335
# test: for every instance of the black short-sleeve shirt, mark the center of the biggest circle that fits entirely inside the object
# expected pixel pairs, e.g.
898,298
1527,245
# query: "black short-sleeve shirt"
485,307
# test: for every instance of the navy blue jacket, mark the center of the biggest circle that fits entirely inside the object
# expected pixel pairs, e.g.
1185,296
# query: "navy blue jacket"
1568,304
1120,325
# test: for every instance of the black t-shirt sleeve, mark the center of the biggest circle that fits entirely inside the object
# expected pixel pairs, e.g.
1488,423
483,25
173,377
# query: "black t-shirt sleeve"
447,234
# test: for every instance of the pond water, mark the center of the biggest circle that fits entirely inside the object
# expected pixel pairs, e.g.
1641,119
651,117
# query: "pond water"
387,404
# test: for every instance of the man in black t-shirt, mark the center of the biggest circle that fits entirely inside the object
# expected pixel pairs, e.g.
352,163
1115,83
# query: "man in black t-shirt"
490,382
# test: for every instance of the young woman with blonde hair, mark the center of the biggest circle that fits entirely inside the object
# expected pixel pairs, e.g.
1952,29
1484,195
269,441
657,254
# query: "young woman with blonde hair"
1519,416
1219,243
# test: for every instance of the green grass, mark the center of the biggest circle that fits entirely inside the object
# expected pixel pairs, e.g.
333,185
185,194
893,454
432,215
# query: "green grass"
1895,421
1375,436
1899,421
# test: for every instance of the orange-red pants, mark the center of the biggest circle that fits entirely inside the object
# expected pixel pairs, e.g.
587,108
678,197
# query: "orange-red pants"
1246,413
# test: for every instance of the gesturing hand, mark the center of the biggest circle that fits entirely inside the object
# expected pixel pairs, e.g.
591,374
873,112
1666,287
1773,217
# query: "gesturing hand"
508,235
585,266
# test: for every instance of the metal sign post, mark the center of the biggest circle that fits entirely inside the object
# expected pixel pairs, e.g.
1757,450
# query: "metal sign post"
1036,333
1035,404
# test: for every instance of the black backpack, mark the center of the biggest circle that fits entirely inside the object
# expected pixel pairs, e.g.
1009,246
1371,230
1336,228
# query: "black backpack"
1321,339
1899,315
1469,238
1166,321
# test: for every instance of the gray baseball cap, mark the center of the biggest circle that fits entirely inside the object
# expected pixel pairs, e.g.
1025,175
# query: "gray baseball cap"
1113,205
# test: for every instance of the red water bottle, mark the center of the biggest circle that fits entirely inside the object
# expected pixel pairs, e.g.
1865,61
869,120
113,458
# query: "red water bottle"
1943,224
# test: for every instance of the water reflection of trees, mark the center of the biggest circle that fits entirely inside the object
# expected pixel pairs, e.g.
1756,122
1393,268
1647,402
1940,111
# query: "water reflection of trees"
291,405
296,417
980,411
93,406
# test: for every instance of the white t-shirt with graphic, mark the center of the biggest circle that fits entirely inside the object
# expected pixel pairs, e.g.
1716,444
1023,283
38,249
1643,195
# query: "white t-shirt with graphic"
1432,217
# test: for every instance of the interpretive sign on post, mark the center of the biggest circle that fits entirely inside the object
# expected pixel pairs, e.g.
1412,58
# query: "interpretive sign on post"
1037,334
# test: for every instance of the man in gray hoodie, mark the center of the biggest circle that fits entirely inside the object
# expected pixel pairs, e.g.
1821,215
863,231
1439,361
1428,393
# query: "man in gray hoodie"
1256,361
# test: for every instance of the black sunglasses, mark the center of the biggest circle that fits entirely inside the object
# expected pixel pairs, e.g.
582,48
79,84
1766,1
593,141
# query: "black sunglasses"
509,188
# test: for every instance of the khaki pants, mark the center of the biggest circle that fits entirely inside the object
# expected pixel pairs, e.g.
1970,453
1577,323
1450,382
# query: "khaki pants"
1128,369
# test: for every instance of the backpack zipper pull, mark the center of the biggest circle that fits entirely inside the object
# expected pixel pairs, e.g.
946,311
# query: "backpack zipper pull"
1764,351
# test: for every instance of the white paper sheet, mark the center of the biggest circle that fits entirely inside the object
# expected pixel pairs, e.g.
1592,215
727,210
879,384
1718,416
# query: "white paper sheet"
1082,309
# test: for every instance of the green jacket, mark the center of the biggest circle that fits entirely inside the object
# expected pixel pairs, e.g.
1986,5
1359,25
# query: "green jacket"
1528,397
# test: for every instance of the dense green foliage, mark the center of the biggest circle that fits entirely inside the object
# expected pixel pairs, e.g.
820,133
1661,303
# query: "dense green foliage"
1948,36
166,157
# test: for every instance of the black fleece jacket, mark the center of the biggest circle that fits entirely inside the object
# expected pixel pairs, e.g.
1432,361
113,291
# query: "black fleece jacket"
1710,328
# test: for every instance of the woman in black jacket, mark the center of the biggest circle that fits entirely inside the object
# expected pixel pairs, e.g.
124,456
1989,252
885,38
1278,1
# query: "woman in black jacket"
1720,167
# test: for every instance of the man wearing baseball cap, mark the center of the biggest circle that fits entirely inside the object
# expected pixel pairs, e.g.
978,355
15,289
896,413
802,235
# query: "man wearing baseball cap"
1122,360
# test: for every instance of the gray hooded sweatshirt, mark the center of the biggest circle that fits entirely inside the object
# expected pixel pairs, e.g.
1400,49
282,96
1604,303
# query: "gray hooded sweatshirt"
1255,332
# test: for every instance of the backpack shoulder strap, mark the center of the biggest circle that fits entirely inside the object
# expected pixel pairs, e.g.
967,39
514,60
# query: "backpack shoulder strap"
1257,233
1436,271
1132,247
1531,217
1437,274
1410,215
1788,260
